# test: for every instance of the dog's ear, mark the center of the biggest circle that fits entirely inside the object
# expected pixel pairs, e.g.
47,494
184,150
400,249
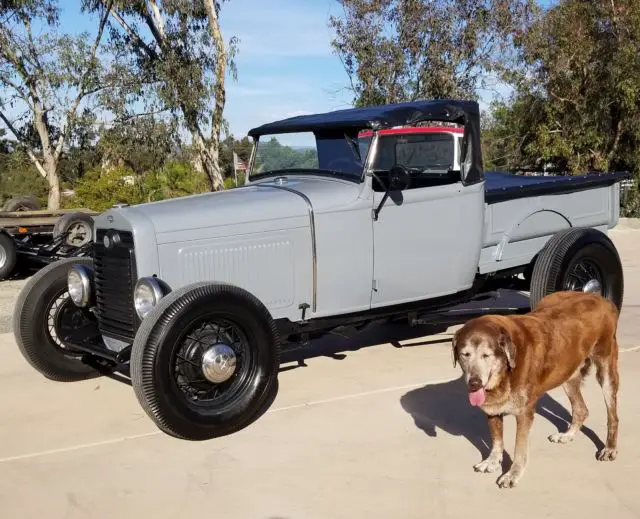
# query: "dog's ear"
454,356
505,343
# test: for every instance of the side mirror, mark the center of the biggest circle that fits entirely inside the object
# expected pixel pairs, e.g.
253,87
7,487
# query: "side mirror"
399,178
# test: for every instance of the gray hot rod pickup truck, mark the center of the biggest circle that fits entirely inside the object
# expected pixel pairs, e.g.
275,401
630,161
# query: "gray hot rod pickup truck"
379,217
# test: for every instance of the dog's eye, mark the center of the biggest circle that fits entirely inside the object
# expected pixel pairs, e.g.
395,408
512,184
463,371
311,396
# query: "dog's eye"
466,354
485,355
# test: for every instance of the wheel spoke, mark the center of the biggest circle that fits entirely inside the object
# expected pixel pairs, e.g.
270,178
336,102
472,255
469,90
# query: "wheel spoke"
583,274
210,361
184,359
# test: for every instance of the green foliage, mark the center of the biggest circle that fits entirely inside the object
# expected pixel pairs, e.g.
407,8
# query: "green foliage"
575,104
174,180
18,176
399,50
230,182
141,144
630,201
100,191
227,147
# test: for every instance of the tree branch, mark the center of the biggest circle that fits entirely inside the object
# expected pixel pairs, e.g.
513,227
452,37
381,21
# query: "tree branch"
82,87
132,34
142,114
18,135
7,46
156,26
157,18
32,46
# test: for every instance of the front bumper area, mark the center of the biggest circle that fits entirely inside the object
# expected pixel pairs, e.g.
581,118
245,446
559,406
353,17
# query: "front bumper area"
87,339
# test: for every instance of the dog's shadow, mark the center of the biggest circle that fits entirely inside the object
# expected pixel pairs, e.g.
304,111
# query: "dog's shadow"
445,406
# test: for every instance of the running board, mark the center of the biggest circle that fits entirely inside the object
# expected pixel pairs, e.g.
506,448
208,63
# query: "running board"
464,313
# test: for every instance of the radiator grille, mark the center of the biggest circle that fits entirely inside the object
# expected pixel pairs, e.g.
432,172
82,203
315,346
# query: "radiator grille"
115,278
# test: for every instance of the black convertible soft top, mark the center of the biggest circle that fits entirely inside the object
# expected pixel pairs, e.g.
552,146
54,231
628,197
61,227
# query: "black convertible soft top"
375,117
352,120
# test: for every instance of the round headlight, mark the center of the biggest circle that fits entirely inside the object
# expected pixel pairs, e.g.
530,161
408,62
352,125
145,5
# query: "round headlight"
79,285
146,295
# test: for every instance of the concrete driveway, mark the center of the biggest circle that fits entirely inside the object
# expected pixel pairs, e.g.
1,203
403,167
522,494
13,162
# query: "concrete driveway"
376,427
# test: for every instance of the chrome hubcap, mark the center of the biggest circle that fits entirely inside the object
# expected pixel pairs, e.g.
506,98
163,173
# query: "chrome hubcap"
593,285
219,363
3,257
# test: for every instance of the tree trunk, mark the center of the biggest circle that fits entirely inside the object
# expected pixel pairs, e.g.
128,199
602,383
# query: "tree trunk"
53,202
208,162
215,174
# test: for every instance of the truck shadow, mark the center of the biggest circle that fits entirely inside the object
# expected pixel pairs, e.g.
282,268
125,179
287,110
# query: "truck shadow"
445,406
394,333
388,333
333,347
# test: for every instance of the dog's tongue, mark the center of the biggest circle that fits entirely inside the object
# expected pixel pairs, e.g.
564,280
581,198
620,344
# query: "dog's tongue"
476,398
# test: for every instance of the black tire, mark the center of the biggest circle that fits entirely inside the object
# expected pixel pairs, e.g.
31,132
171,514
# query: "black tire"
578,249
8,255
81,226
22,203
164,331
31,326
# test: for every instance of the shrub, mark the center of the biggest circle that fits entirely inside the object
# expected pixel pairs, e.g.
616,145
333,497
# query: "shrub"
101,190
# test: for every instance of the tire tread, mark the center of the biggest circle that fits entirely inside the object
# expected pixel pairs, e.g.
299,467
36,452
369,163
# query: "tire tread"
546,269
145,349
24,328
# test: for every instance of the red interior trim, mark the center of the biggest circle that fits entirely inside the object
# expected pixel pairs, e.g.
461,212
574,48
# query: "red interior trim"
425,129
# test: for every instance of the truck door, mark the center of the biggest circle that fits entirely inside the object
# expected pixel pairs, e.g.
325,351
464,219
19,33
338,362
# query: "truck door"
427,238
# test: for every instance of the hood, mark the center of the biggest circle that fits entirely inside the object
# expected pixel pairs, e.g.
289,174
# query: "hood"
250,208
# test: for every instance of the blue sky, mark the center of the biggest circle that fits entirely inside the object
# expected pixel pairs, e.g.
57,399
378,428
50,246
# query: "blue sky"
285,62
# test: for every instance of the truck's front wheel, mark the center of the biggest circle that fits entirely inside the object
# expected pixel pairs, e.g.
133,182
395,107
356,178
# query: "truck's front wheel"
580,259
43,315
205,361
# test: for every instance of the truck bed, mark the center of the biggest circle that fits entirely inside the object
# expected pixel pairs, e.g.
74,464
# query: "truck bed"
523,212
501,186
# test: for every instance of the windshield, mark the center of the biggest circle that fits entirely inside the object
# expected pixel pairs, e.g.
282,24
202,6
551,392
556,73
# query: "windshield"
334,154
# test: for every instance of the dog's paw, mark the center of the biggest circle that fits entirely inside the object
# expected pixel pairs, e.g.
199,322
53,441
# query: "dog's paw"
488,465
607,454
561,438
509,480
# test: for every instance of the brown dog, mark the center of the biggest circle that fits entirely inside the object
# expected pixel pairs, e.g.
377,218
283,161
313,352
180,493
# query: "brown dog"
509,362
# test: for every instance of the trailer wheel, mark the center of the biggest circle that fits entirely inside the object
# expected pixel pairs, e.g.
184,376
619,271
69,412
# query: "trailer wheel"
78,225
22,203
43,314
581,259
8,255
205,361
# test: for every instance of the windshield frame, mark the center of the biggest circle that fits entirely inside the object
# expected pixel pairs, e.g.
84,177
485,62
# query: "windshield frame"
319,172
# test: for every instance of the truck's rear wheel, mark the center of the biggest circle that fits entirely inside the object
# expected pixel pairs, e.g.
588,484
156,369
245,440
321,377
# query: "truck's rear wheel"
8,255
43,315
205,361
580,259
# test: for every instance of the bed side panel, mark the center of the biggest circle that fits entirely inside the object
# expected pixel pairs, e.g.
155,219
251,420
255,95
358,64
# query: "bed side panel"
516,230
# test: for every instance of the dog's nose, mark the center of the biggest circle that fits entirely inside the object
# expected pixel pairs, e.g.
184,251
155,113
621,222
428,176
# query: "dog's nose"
475,383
